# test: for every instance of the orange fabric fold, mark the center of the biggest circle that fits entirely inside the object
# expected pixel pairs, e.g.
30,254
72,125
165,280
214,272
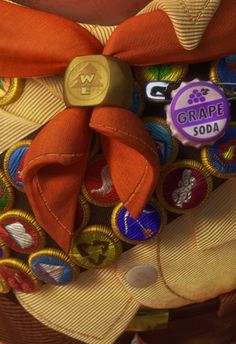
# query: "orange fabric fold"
131,155
54,170
35,43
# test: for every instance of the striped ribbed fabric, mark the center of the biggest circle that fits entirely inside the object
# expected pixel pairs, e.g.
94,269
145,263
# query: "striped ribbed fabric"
40,101
102,33
190,18
96,309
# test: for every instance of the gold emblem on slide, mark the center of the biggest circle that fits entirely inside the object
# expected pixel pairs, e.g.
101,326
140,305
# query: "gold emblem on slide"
98,80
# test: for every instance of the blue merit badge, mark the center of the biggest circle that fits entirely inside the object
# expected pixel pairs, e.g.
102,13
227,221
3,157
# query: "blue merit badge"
134,231
220,159
51,269
167,146
14,161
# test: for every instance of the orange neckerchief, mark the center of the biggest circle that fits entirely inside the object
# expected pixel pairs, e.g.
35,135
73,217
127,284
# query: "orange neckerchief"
35,43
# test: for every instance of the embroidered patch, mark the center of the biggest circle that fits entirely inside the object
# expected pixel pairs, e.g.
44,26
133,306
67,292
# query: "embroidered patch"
167,146
4,250
10,90
18,275
6,194
53,266
183,186
220,159
4,287
98,188
21,232
163,72
14,162
95,247
82,214
198,114
223,72
145,227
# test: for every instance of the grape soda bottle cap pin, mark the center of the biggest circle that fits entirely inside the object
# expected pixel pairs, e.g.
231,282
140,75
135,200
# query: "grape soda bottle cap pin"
198,114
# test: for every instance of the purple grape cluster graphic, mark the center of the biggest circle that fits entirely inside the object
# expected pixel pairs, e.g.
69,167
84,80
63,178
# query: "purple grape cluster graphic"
197,96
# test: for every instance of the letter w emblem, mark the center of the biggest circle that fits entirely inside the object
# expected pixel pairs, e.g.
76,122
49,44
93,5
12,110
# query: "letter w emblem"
87,78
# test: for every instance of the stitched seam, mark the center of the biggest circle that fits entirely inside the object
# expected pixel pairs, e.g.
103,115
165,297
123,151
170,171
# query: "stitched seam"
125,133
162,274
122,314
137,188
51,154
43,198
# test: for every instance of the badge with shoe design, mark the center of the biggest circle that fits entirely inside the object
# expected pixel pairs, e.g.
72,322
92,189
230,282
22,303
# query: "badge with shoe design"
21,232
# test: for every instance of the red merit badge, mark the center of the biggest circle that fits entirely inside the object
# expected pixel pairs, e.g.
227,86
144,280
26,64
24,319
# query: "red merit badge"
98,188
185,185
18,276
21,232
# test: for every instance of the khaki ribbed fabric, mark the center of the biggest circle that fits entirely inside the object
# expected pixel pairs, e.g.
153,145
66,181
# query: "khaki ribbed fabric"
190,18
94,309
40,101
99,306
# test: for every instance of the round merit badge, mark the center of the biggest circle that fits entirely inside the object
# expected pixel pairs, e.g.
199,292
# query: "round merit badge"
21,232
145,227
82,214
18,276
98,188
14,162
198,114
10,90
167,146
174,73
183,186
95,247
6,194
220,159
53,266
223,72
4,287
4,250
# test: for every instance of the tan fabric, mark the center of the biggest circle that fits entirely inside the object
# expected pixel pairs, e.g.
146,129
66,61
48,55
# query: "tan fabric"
41,100
190,18
187,275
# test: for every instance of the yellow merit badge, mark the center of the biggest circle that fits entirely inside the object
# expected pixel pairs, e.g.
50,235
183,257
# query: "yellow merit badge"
10,90
95,247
